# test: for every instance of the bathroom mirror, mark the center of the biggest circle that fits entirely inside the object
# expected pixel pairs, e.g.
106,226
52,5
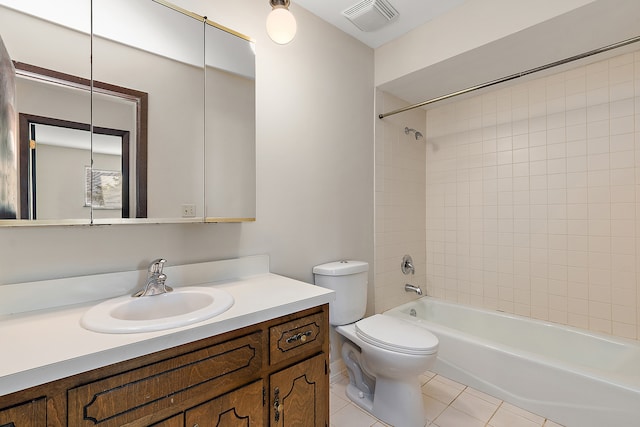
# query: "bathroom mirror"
48,192
150,48
230,153
46,44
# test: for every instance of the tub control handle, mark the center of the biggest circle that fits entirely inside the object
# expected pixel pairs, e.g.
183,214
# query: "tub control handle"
407,265
302,336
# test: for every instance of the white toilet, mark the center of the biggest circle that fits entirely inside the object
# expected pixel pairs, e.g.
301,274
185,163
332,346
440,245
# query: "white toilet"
384,355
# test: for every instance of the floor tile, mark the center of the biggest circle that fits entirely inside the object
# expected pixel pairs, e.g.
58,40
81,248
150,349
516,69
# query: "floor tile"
452,417
450,383
447,404
352,416
425,377
484,396
337,402
523,413
432,407
506,418
440,390
339,387
472,405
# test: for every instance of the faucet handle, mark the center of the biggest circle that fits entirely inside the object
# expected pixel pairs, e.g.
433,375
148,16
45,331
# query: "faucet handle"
156,266
407,265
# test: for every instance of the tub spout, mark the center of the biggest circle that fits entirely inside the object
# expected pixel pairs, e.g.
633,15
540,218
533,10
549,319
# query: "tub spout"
411,288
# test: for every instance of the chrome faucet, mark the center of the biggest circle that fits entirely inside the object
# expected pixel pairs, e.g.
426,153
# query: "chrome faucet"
411,288
155,280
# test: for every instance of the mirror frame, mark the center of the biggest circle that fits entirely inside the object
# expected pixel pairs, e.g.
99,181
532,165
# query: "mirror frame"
141,100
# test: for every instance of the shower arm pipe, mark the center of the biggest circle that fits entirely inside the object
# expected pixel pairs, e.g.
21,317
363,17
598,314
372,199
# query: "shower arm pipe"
514,76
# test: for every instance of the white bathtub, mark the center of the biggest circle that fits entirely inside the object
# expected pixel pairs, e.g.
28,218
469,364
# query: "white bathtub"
574,377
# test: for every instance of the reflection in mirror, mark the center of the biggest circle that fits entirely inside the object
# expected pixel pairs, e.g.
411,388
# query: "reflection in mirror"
230,126
42,190
148,46
157,49
63,24
8,159
48,191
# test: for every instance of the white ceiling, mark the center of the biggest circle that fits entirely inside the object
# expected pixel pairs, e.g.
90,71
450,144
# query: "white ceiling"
411,14
597,24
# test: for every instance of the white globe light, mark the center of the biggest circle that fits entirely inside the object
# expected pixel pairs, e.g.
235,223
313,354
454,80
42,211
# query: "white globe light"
281,25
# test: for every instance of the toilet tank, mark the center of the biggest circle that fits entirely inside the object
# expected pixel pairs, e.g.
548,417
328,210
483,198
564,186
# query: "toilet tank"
349,281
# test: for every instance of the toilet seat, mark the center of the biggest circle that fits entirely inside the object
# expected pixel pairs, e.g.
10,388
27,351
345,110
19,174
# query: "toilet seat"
391,333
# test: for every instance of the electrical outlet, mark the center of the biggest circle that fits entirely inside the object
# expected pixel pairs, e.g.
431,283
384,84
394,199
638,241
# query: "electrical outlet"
188,211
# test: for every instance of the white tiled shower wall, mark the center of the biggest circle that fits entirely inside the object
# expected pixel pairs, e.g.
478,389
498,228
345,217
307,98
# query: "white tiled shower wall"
400,203
533,198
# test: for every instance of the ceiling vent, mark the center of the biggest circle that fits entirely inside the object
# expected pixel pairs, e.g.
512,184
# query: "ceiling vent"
371,15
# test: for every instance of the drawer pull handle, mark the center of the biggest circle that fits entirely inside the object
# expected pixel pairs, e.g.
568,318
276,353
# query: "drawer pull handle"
302,336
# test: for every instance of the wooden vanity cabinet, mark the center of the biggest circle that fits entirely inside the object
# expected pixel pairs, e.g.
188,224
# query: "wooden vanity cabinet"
28,414
296,395
242,407
296,391
272,373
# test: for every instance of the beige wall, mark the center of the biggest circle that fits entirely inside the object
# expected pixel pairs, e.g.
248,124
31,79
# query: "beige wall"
533,202
314,169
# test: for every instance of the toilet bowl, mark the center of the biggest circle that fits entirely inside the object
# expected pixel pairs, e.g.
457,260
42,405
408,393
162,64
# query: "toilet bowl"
384,355
394,353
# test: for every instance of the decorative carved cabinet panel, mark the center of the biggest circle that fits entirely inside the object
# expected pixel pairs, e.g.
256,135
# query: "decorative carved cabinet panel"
294,338
227,380
141,393
240,408
296,395
30,414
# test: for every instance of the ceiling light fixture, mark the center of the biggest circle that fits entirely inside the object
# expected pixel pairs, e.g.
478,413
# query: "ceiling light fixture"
281,24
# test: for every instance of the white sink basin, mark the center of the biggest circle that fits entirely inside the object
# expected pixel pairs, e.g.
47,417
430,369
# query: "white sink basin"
181,307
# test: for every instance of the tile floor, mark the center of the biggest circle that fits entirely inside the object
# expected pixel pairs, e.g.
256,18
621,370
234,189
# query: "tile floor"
447,403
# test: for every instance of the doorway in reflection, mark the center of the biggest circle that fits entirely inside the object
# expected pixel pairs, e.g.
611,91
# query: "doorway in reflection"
57,179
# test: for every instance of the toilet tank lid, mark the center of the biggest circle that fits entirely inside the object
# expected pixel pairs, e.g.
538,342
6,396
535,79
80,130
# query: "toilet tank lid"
341,268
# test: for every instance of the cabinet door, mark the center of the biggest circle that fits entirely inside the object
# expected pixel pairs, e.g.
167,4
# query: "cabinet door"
299,395
240,408
31,414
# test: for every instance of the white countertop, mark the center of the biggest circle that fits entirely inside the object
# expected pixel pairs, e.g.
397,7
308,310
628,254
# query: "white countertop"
49,344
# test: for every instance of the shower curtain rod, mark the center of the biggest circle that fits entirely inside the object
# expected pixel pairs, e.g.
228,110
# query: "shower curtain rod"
514,76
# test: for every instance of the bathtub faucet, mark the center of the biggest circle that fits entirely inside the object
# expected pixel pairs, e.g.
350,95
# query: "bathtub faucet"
411,288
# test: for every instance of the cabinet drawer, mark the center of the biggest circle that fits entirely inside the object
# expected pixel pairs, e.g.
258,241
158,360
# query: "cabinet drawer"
300,336
151,392
30,414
